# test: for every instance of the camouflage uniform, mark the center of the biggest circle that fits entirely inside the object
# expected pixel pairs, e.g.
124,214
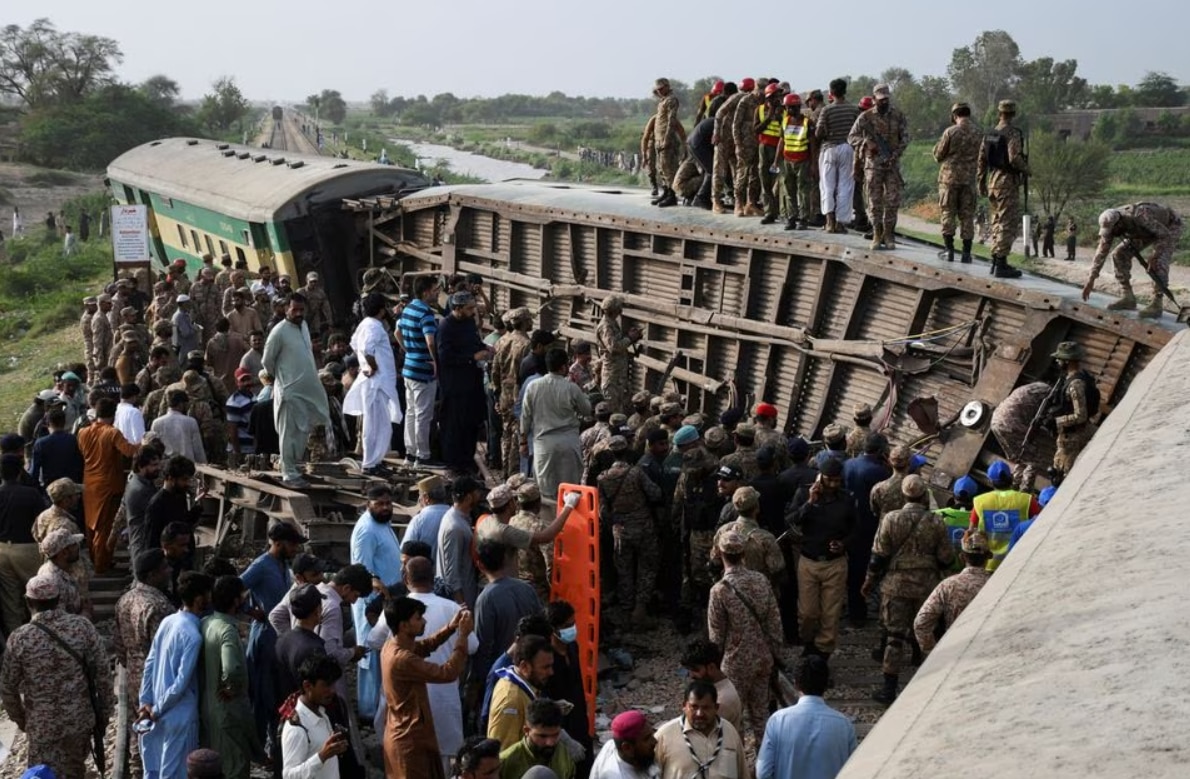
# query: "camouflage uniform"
1074,427
886,495
723,168
626,497
157,401
180,282
648,150
696,521
101,339
747,644
761,553
775,440
69,597
882,164
44,691
205,306
911,549
1141,225
947,602
318,310
81,571
747,182
600,431
614,345
957,151
88,341
533,564
1010,422
1003,188
138,614
223,281
667,136
744,458
688,179
856,438
512,347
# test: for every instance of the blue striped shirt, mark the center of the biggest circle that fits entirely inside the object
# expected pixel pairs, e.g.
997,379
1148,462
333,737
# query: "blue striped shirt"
417,321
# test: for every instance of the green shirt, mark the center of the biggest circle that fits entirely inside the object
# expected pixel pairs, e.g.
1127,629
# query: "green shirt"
519,758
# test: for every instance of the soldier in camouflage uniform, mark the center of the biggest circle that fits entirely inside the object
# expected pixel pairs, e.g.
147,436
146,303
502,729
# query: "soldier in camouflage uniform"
614,344
1000,180
743,618
881,135
223,277
234,285
648,154
534,563
717,441
205,409
600,431
164,304
1010,422
723,168
696,506
101,333
858,435
640,410
90,306
1072,420
1138,225
205,304
65,496
744,456
157,401
61,549
747,152
668,417
177,277
911,550
669,137
954,593
761,553
887,495
957,152
318,306
767,434
511,349
139,612
44,689
626,499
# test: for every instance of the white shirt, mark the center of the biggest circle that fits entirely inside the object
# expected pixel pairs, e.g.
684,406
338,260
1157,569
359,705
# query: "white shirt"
130,421
609,765
299,748
181,435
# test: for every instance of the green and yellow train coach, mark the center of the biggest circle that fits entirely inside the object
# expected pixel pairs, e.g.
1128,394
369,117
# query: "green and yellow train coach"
266,207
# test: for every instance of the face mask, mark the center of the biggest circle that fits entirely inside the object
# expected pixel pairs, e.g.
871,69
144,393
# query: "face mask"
882,108
569,635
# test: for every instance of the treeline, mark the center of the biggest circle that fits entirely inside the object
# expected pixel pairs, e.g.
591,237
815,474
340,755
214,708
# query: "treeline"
72,112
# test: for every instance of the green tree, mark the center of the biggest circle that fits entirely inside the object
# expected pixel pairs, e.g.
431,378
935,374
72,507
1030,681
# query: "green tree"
1106,128
380,104
1169,123
40,65
1158,90
161,90
1067,172
332,106
1103,96
544,134
1046,87
986,71
224,106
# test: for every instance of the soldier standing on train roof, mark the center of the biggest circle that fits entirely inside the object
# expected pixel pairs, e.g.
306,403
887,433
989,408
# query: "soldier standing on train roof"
1002,169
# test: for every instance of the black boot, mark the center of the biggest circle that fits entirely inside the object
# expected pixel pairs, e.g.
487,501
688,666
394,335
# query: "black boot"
878,650
768,219
888,692
1002,270
791,224
668,198
966,251
949,241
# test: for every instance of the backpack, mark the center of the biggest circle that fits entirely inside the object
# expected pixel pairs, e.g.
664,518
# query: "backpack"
995,151
1092,393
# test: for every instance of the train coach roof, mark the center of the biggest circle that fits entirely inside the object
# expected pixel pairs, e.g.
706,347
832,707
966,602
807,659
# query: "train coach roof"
257,185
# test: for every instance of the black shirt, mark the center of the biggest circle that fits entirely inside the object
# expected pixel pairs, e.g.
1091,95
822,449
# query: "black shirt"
19,507
57,456
263,428
165,507
291,650
458,341
831,520
774,495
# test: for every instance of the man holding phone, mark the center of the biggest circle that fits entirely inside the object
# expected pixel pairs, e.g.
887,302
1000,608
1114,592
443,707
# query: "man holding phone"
310,744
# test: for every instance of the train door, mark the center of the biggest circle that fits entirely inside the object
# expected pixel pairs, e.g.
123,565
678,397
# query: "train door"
156,244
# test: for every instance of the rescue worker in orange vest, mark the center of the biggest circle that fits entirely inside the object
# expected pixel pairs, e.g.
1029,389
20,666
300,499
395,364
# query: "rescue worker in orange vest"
999,512
768,133
798,160
704,105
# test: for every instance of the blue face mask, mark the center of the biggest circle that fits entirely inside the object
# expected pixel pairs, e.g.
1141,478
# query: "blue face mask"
568,635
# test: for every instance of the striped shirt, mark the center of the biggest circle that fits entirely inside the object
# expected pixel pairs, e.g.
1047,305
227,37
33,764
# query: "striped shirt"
835,122
417,321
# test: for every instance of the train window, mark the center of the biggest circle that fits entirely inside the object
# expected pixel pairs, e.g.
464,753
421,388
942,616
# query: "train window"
222,248
182,237
240,255
248,239
210,246
194,238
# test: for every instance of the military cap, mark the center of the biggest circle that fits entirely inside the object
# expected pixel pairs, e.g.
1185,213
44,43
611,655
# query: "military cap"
641,398
766,410
499,496
429,484
312,276
913,487
899,456
41,587
90,300
207,273
1006,107
617,443
670,409
959,106
603,409
975,541
715,437
127,311
729,473
182,299
305,600
528,492
862,413
745,432
745,500
661,83
372,279
520,314
461,299
1047,495
129,338
57,540
833,433
618,420
193,355
105,298
515,481
160,286
1108,221
686,435
731,543
1070,350
655,403
881,92
695,420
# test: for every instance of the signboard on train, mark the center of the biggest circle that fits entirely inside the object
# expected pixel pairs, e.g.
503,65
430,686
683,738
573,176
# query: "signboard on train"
130,234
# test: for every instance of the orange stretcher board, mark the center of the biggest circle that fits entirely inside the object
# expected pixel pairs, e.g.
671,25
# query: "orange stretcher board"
575,579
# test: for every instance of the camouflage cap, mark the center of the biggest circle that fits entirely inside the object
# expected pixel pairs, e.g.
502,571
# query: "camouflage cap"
194,355
105,298
715,437
670,409
862,411
745,432
528,492
58,540
899,456
61,489
129,338
975,541
90,300
731,543
1006,106
833,433
521,314
499,497
1108,221
603,409
127,311
959,106
745,500
881,92
1069,350
372,279
641,398
42,587
515,481
617,443
661,83
913,487
655,403
617,421
695,420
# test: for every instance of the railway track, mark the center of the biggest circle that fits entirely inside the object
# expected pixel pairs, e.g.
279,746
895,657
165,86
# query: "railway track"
287,136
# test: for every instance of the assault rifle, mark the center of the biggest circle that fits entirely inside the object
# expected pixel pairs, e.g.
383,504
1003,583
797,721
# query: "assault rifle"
1045,413
1183,311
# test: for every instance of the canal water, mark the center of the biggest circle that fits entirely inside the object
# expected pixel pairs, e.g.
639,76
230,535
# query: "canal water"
468,164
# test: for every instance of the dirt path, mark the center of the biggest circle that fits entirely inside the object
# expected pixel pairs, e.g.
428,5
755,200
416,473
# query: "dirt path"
38,190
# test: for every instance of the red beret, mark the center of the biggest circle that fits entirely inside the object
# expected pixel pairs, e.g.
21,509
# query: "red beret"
766,410
629,725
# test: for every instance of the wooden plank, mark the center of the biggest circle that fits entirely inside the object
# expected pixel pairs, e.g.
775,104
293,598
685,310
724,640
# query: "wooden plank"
682,374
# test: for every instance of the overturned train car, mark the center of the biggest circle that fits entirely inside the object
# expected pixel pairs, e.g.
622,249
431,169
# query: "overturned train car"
734,312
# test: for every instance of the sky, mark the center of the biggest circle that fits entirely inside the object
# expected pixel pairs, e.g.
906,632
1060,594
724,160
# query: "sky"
282,52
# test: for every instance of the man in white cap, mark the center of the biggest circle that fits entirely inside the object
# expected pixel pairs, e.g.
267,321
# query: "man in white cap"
1138,226
187,333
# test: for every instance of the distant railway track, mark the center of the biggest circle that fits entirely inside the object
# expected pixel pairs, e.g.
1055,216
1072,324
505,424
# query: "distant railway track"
287,136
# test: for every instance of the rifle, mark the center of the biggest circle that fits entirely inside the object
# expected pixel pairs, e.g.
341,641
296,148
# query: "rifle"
1043,414
1025,176
1183,311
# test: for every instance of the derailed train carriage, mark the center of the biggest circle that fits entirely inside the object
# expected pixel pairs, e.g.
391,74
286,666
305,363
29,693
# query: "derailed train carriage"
734,312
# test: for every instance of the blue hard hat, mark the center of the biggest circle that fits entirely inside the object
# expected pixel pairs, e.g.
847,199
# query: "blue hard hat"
966,486
916,462
687,434
1046,495
1000,473
39,771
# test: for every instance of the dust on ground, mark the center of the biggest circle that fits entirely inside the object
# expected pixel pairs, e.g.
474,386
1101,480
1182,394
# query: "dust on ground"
38,190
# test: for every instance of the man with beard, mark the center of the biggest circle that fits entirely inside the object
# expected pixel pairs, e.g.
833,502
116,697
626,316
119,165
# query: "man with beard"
460,352
632,749
698,743
374,545
299,401
373,395
539,746
267,579
518,687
